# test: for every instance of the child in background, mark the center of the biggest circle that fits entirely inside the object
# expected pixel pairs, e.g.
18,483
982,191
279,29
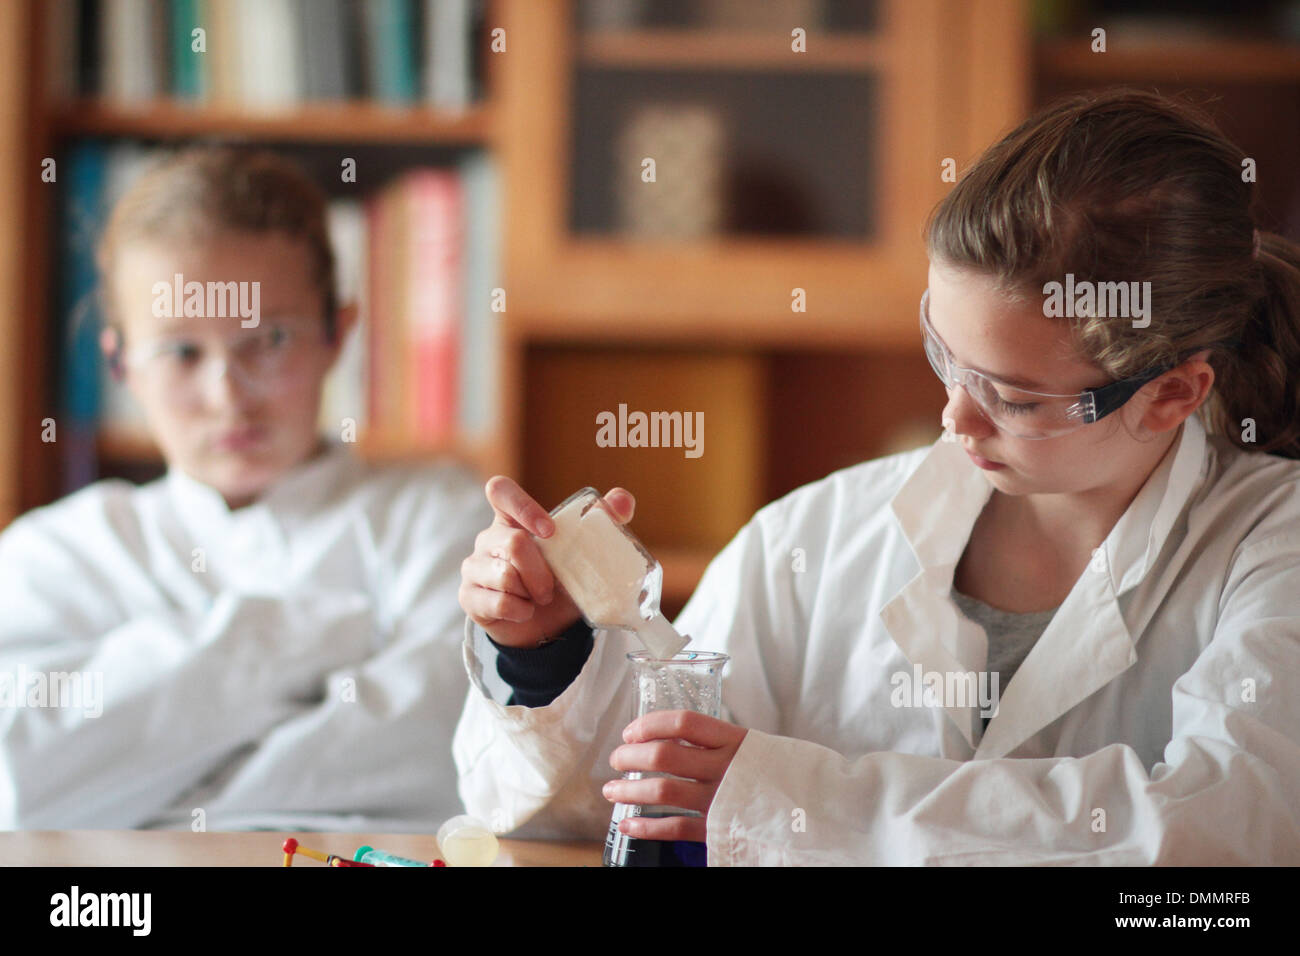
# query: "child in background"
1132,581
274,623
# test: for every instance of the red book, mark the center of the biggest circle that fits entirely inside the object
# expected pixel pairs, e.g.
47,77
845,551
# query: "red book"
435,235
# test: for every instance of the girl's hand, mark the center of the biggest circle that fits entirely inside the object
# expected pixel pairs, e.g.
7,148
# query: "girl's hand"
658,742
506,586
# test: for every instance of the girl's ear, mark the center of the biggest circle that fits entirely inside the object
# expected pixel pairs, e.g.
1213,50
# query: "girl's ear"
1180,392
110,343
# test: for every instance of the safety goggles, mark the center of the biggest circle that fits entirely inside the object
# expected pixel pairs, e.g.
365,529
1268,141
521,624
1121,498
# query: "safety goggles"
1022,412
259,361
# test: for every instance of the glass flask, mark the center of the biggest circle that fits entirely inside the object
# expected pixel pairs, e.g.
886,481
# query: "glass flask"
691,680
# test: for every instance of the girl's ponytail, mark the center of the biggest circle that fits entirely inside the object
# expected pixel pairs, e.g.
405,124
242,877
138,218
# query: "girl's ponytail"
1255,403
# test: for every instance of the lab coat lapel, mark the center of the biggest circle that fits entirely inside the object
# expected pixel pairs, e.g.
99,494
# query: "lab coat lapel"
253,544
1087,644
936,509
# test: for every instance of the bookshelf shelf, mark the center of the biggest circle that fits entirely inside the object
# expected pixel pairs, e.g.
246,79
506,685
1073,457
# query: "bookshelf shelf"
122,446
779,328
390,448
637,292
315,122
136,448
715,49
1211,59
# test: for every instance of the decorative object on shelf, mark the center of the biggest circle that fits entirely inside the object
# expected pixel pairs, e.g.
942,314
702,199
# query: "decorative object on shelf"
685,198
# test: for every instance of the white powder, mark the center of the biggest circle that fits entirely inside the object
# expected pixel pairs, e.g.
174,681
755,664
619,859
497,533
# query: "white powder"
605,573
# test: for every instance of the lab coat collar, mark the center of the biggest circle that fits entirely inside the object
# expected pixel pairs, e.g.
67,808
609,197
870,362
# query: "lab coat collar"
297,494
936,509
301,492
1134,544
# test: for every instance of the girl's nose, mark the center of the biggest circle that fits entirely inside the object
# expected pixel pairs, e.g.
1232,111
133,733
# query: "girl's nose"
226,387
966,416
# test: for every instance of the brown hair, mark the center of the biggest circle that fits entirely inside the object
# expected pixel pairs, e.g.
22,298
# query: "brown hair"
205,191
1125,185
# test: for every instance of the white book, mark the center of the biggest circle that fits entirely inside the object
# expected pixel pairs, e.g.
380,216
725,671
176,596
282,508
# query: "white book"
129,43
345,389
447,40
270,74
480,334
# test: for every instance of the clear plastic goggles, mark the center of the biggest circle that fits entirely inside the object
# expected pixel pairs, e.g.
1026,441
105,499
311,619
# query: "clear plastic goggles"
1022,412
258,361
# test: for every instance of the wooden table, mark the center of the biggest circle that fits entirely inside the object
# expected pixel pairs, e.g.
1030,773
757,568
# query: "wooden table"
244,848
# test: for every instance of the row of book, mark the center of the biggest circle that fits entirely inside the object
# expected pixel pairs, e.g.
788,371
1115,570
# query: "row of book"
269,54
418,257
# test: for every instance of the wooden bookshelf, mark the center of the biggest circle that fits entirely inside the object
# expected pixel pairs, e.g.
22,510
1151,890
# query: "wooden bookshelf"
595,318
346,121
725,50
698,325
126,446
1188,60
16,407
605,318
1249,84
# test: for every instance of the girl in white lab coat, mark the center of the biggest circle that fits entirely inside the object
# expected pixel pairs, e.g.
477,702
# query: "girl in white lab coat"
1127,584
269,635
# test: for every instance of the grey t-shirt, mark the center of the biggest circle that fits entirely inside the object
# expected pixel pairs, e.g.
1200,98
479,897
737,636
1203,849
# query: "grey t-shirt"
1010,635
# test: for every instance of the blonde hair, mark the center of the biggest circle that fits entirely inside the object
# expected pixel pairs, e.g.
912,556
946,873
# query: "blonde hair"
206,191
1129,185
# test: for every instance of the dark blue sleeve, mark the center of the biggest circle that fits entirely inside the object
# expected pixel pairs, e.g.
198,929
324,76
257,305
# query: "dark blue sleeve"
538,675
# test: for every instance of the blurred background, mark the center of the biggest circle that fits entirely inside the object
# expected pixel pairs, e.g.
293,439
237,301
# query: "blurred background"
768,277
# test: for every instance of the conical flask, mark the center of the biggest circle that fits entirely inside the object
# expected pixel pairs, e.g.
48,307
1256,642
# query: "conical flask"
690,680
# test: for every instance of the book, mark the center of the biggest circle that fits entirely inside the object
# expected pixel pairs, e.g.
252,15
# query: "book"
325,51
88,47
344,395
81,220
447,54
433,316
224,61
479,372
389,38
188,66
268,54
132,37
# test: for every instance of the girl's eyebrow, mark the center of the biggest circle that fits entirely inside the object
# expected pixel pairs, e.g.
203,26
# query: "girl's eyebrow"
1012,380
174,326
1026,383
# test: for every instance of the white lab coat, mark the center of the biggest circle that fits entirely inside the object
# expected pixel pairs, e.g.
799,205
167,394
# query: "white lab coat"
1156,720
292,663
